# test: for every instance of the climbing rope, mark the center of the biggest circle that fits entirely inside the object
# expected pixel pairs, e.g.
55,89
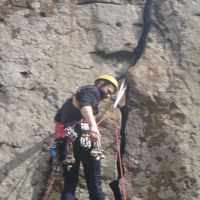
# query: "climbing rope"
49,188
56,172
117,134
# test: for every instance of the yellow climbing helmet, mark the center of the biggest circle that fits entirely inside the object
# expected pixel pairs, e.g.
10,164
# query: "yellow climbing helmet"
109,78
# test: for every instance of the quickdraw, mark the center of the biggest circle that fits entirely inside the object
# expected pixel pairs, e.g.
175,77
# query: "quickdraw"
97,151
70,133
69,158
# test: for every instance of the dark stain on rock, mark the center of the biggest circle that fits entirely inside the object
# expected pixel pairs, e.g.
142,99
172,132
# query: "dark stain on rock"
142,139
43,14
197,14
2,20
15,32
159,159
118,24
25,74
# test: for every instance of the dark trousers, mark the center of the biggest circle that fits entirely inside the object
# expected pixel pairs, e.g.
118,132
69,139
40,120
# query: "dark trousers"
92,170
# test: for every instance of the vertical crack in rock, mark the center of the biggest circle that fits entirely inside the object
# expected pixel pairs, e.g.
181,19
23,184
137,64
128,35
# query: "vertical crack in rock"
137,52
134,57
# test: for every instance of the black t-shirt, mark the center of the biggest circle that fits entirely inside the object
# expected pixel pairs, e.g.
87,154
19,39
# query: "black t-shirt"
89,95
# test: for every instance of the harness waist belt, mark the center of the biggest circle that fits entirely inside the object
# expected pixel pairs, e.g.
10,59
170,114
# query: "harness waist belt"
75,102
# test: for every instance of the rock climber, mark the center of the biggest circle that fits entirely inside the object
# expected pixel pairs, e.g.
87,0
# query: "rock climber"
79,112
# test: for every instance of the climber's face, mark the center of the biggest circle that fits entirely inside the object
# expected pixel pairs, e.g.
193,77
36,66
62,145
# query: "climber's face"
109,90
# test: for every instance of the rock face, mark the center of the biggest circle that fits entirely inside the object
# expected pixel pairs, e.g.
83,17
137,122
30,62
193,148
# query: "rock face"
49,48
163,125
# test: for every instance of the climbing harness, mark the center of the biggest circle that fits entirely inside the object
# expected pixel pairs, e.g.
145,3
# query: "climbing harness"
75,102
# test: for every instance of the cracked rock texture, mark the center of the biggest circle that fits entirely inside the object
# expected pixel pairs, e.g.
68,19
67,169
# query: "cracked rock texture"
49,48
164,124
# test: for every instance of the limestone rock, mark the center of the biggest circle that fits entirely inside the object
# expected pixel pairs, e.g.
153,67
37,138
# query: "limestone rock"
163,126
